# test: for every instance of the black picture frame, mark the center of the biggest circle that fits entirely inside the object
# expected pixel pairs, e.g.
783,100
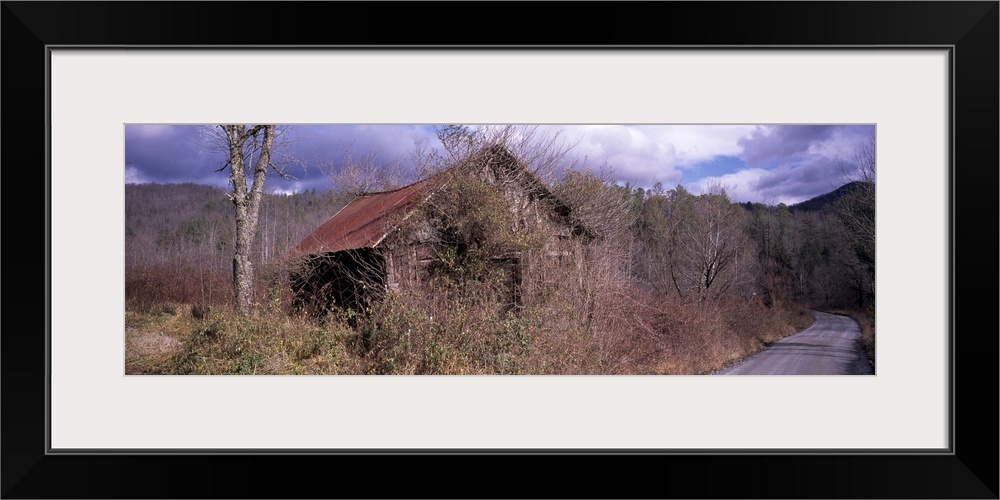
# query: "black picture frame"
969,470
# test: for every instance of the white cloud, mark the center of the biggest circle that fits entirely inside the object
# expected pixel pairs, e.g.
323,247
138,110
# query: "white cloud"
133,176
741,186
286,189
646,154
698,143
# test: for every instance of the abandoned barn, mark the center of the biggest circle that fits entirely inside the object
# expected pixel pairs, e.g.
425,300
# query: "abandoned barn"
398,239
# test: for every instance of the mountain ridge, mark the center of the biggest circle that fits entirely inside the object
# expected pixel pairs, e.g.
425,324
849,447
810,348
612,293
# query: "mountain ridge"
821,202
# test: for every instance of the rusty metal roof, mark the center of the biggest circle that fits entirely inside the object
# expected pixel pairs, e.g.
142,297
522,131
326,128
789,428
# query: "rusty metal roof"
365,221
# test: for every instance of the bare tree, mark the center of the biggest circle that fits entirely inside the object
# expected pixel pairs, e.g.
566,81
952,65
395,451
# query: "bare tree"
662,223
360,174
544,153
250,151
712,246
857,209
601,205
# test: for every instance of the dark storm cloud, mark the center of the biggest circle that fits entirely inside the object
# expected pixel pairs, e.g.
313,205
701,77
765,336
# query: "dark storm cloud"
768,144
784,184
169,154
791,163
792,184
183,153
807,170
786,163
320,146
325,142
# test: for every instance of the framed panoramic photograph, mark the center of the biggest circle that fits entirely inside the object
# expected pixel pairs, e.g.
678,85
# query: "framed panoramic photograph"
276,247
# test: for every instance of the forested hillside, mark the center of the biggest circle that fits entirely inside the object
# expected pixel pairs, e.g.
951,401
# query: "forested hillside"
179,238
828,201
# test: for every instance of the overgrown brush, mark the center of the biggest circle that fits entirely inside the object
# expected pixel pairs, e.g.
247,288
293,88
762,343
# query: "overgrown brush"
221,342
594,325
467,332
269,344
610,330
688,337
152,287
147,288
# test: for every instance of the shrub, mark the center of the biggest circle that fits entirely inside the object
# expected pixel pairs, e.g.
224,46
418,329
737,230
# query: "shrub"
199,311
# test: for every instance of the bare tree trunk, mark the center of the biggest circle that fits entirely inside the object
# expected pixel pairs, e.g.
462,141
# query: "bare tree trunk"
247,205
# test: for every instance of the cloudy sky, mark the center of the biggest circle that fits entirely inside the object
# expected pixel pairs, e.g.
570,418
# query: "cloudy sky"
760,163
